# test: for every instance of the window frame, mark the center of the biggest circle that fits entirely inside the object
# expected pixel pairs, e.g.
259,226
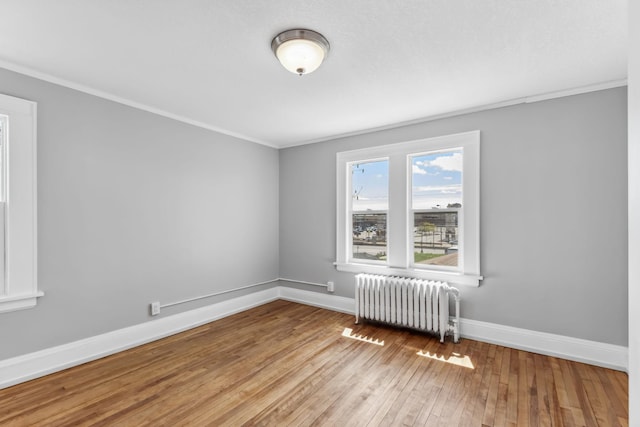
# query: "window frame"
400,256
19,245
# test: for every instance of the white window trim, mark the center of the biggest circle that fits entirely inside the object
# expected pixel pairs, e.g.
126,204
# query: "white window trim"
20,288
399,263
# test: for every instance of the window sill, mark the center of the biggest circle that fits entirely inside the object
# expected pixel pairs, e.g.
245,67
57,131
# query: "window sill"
18,302
472,280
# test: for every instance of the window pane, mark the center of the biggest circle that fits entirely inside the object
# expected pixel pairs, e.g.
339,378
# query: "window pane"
370,186
437,180
435,238
370,236
369,205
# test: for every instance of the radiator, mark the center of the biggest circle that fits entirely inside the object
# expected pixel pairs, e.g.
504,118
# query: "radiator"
412,303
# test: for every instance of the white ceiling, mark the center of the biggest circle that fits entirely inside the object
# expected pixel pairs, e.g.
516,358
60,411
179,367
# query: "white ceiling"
209,62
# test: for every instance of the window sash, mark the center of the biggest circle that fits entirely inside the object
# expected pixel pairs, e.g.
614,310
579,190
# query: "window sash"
351,211
3,180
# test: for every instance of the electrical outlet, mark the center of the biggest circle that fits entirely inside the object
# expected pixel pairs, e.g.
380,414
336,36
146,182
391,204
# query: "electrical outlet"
330,287
155,308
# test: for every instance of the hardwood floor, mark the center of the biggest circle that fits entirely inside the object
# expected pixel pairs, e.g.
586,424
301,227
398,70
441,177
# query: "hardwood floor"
290,364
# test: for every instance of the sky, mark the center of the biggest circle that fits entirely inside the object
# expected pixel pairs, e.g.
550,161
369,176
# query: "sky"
436,181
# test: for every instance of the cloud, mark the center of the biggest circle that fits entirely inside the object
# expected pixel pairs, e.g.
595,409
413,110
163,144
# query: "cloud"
448,163
443,189
418,170
448,178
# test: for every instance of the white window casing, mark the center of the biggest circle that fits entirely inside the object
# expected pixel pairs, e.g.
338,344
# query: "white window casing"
400,220
18,210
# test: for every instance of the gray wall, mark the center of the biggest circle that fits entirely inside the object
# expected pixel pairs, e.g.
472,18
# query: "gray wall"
553,213
133,208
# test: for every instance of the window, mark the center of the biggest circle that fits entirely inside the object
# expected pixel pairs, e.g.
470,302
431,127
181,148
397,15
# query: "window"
411,209
18,238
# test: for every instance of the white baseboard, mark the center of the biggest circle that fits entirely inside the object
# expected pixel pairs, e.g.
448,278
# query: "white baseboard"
317,299
576,349
23,368
33,365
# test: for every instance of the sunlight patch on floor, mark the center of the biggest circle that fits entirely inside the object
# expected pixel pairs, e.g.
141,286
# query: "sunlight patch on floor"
454,359
348,333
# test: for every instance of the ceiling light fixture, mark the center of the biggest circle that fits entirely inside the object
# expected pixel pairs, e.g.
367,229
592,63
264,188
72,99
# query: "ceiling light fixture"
300,51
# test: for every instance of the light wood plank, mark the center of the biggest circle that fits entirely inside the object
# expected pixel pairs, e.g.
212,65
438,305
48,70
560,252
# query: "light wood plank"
290,364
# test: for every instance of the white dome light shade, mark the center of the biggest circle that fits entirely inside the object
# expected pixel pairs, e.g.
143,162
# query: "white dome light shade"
300,56
300,51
